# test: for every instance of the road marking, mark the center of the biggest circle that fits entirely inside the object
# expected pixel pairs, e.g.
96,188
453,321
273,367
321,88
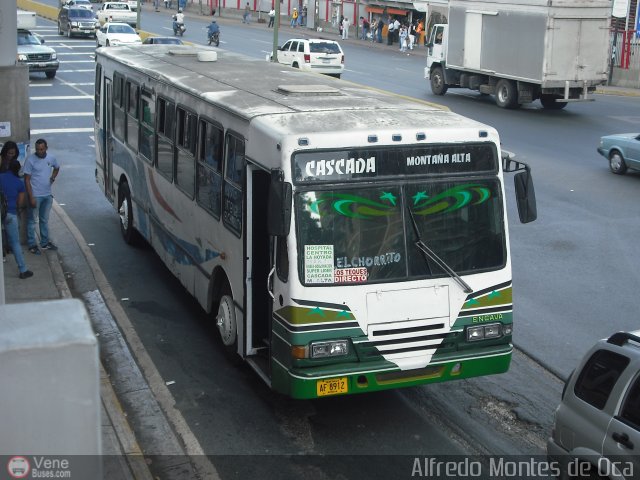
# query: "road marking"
86,70
47,131
66,54
62,114
65,97
65,62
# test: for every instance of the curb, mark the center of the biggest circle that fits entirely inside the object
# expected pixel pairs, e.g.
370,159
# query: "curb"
126,438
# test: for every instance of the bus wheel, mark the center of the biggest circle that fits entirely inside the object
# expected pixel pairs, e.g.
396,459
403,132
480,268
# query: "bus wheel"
226,323
125,211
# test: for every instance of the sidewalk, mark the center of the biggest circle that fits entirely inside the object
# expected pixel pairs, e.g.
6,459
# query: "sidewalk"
122,456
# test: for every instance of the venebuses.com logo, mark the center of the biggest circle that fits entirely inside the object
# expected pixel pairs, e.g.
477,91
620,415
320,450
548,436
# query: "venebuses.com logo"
18,467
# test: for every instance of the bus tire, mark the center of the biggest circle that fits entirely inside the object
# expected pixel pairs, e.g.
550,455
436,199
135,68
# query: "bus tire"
506,94
438,87
227,325
125,212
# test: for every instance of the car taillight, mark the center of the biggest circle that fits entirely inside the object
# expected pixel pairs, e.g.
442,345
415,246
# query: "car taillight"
307,58
342,61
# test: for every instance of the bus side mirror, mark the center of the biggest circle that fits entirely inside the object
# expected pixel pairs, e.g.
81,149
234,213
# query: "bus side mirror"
525,196
279,205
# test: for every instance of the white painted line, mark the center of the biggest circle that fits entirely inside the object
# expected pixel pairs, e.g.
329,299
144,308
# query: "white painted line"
64,97
65,62
47,131
34,85
66,54
62,114
78,70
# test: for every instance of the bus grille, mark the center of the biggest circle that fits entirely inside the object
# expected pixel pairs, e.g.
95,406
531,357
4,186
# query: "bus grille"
407,339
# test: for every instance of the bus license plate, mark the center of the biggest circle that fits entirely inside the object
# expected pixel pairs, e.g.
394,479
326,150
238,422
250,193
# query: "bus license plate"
332,386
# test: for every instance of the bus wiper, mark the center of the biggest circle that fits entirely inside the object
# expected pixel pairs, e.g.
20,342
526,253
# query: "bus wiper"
435,258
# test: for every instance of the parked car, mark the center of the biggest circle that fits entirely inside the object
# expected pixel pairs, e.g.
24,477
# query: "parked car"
114,34
313,55
77,21
162,40
117,12
86,4
33,53
622,150
597,425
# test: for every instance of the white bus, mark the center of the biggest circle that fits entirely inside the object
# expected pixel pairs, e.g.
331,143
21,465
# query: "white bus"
343,239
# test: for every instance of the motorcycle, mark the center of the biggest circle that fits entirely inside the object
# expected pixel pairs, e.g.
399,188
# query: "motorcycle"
178,27
214,38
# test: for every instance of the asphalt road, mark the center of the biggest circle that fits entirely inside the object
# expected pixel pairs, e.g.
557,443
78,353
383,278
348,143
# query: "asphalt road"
574,276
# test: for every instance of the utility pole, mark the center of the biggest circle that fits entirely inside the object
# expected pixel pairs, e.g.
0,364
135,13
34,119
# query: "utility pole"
276,24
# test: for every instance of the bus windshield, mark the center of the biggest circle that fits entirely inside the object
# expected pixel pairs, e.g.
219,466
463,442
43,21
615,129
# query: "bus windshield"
364,234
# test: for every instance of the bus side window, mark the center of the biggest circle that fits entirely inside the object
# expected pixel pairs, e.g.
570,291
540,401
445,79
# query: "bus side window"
147,122
185,159
209,176
98,93
232,189
133,94
166,114
118,106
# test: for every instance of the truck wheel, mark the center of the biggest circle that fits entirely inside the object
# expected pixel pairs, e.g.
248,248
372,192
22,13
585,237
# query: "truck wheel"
506,94
438,87
616,163
549,102
50,74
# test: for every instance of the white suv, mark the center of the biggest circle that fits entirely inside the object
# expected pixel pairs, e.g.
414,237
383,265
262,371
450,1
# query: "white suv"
597,425
313,55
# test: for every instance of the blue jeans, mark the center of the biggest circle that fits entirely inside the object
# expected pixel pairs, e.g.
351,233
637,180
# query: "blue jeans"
13,236
43,207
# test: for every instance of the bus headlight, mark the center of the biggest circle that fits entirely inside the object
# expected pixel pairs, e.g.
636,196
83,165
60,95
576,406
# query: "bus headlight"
333,348
484,332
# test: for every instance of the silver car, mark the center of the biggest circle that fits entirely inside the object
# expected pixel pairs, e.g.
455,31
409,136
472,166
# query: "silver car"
33,53
622,150
596,433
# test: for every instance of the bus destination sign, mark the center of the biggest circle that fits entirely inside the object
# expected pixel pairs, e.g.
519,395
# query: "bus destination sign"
369,164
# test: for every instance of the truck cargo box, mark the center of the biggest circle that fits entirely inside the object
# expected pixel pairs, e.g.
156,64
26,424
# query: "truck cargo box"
538,41
26,20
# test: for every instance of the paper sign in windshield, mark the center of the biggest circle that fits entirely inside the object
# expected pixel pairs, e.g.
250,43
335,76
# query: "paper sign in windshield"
318,263
351,275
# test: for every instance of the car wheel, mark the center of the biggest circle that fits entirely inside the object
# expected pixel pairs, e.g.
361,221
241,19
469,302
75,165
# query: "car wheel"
69,33
295,65
227,325
438,87
616,163
50,74
506,94
549,102
106,43
60,32
97,41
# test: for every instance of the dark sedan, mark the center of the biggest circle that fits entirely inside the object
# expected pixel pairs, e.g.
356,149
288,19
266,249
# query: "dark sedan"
163,40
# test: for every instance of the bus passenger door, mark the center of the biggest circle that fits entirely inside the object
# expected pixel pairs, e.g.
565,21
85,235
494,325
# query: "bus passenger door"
107,146
259,263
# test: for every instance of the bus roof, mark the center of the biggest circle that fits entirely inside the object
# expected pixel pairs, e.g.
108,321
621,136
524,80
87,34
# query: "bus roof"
290,100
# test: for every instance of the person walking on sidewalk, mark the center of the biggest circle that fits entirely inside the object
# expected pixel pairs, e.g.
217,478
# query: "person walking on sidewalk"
13,188
294,17
272,16
40,171
345,28
365,27
246,16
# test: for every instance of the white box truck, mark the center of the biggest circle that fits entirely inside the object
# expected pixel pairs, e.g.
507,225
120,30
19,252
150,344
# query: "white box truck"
521,51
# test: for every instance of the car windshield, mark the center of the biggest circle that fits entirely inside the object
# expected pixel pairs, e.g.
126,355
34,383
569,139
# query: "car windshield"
27,38
364,234
324,47
121,29
80,13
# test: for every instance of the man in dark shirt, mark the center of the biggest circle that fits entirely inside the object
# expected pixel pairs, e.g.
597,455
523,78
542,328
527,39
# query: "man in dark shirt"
13,188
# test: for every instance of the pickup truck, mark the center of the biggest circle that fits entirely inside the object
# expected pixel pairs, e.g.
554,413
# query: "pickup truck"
117,12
